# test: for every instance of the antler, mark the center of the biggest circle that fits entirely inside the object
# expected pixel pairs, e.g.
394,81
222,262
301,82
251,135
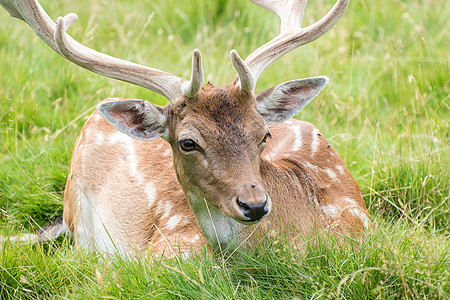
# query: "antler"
292,34
170,86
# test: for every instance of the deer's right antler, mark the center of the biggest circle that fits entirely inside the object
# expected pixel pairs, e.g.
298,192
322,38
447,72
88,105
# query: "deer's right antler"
291,36
170,86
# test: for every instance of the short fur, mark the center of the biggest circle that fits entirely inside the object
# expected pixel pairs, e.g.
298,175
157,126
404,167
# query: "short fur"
123,194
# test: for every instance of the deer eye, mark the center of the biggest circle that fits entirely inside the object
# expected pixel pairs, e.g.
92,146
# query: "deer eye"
187,145
263,142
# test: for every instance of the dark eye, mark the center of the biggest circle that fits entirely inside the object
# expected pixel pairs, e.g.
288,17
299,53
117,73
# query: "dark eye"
268,135
187,145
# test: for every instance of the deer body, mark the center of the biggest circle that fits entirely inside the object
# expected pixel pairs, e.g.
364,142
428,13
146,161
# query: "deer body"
122,194
216,164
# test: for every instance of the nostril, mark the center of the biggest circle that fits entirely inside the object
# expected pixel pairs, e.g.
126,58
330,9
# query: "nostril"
253,211
244,205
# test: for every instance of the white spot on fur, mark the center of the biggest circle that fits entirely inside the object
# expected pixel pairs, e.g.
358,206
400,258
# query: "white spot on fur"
150,191
331,210
330,173
194,239
298,137
274,149
315,141
128,145
164,208
340,169
173,222
168,152
349,201
311,166
356,211
364,219
116,138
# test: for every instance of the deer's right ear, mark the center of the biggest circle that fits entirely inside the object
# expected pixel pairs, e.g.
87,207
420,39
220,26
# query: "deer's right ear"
139,119
282,102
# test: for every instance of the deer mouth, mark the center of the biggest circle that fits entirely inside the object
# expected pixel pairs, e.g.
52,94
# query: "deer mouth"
249,222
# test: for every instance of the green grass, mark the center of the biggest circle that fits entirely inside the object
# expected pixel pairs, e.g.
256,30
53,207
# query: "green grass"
386,111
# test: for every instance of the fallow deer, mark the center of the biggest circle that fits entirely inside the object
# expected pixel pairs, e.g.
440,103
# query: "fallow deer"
213,162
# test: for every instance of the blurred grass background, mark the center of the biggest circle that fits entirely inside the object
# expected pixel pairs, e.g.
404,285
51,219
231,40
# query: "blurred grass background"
386,111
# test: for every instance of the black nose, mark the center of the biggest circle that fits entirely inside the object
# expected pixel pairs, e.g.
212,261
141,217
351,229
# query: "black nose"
253,211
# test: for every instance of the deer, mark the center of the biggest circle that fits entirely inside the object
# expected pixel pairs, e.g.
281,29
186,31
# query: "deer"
219,165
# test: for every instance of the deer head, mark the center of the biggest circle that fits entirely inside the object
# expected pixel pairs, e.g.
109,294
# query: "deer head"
217,134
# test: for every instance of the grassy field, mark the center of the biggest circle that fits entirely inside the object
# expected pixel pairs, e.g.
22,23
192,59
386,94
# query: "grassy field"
386,111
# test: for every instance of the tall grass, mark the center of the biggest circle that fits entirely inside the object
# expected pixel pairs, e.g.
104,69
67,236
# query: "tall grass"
386,111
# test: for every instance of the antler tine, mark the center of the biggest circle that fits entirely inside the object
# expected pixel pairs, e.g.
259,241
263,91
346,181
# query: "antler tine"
195,84
291,13
292,34
246,80
170,86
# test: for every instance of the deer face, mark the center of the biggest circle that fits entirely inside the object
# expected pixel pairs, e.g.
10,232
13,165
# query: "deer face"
217,139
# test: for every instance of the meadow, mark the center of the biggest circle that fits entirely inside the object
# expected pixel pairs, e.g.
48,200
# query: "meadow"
386,111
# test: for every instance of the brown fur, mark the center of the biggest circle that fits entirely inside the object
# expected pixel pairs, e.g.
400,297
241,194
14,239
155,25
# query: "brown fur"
308,185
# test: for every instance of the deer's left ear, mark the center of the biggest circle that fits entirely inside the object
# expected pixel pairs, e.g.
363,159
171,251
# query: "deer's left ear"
282,102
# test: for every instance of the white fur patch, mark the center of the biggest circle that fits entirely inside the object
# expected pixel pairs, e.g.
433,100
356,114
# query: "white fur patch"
117,137
168,152
349,201
194,239
330,173
150,191
128,147
364,219
164,208
289,122
173,222
340,169
311,166
331,210
298,137
356,211
315,141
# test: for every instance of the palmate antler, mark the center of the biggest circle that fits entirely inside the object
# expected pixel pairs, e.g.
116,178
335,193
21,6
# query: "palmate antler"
292,36
54,35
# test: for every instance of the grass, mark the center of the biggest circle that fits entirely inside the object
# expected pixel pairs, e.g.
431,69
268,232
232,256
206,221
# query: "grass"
386,111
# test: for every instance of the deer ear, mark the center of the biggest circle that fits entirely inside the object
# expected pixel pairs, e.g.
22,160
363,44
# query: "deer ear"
282,102
139,119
